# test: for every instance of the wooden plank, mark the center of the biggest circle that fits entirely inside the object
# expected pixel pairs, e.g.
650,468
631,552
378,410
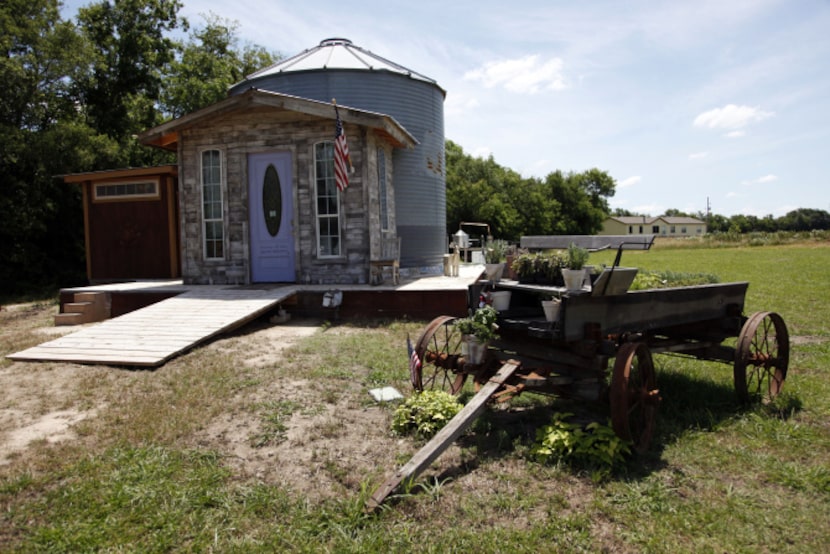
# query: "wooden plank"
444,438
153,335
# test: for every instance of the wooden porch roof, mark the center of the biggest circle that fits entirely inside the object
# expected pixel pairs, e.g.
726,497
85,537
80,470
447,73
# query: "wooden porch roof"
166,135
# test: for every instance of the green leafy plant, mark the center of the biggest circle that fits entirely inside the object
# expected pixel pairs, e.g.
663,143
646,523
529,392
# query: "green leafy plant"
495,251
425,413
576,257
539,266
595,446
482,324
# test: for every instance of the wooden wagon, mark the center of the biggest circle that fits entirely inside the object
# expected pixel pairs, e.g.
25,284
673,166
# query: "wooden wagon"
600,346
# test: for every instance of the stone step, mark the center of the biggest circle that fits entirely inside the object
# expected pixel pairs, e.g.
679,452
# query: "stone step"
78,307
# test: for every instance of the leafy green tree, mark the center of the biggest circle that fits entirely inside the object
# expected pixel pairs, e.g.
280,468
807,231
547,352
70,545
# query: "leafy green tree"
479,189
41,135
209,63
130,48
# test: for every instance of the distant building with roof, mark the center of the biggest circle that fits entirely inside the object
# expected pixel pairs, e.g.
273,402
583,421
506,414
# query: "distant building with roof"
662,226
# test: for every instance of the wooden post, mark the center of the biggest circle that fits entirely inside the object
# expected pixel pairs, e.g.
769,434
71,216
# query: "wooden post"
444,438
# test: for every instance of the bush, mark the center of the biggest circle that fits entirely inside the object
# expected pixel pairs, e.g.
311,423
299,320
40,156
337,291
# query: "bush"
425,413
595,447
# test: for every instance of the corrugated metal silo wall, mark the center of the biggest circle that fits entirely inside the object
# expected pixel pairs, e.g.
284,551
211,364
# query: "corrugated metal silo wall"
420,183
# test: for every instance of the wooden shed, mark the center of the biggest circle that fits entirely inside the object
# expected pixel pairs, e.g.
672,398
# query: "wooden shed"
131,221
257,191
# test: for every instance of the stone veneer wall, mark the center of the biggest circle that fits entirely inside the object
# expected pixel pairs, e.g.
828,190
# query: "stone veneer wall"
262,130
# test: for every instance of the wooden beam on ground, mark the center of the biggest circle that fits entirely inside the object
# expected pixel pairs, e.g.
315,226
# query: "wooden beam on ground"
445,437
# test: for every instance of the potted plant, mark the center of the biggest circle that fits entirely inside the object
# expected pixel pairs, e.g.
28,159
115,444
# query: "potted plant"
574,271
542,267
551,307
494,255
477,331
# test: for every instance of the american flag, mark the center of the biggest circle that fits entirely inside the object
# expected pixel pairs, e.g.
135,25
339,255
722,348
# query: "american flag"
414,365
342,161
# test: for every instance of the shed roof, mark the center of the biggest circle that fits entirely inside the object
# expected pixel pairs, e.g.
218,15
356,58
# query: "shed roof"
166,135
338,53
122,173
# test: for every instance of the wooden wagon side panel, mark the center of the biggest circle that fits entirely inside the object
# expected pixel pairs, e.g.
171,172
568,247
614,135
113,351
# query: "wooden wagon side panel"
651,310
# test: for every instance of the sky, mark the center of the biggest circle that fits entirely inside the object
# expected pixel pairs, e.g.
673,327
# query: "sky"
724,103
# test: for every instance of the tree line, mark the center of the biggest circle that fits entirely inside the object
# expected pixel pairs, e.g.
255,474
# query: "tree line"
800,220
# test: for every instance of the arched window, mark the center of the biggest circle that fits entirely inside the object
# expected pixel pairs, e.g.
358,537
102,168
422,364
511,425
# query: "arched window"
213,225
328,201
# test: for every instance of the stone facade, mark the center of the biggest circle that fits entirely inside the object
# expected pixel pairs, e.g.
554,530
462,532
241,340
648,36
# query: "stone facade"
258,129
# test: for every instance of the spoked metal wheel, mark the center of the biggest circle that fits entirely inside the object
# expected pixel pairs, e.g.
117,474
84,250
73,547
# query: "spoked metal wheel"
762,356
439,351
634,398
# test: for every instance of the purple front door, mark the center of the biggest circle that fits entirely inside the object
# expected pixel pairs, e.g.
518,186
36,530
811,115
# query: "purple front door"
271,211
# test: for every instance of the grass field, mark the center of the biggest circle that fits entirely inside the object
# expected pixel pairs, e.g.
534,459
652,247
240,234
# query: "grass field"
142,473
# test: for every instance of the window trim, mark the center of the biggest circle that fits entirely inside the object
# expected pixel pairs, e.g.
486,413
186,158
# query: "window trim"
383,190
329,178
126,197
222,184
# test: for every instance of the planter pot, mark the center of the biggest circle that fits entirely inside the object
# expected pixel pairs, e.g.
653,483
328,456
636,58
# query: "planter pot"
501,299
511,273
493,272
551,309
573,278
473,350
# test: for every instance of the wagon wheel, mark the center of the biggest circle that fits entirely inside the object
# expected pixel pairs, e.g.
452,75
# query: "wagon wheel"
439,349
634,399
762,356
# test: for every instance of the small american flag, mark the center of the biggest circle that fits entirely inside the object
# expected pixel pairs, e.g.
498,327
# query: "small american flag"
414,365
342,161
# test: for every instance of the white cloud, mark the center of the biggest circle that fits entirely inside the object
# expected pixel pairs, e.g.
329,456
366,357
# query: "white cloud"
698,155
459,103
481,152
731,117
760,180
527,75
735,134
633,180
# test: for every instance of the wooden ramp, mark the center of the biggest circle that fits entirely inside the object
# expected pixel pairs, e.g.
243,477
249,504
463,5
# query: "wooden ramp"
150,336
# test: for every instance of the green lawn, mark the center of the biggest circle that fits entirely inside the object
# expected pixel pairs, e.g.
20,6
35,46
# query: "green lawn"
719,478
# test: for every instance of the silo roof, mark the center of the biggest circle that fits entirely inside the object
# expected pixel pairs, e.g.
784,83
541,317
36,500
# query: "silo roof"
338,53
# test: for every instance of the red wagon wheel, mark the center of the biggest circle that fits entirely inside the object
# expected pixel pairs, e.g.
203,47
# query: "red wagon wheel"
634,399
439,349
762,356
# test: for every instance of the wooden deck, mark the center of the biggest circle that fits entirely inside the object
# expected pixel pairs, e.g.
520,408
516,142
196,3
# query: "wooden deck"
150,336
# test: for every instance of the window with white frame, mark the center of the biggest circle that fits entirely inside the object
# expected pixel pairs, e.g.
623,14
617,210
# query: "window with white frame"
129,190
384,201
328,201
213,226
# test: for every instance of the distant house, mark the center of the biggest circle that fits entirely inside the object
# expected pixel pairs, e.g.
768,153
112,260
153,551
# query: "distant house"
663,226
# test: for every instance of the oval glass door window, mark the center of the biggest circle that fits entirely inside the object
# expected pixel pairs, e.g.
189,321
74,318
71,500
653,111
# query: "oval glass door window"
272,200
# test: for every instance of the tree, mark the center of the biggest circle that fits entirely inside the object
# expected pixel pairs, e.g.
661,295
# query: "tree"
131,47
41,135
209,63
481,190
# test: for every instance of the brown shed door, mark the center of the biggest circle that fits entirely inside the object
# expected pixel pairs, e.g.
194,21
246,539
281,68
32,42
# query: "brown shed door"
130,239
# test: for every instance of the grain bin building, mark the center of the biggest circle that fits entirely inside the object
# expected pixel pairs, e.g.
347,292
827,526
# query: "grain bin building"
337,68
